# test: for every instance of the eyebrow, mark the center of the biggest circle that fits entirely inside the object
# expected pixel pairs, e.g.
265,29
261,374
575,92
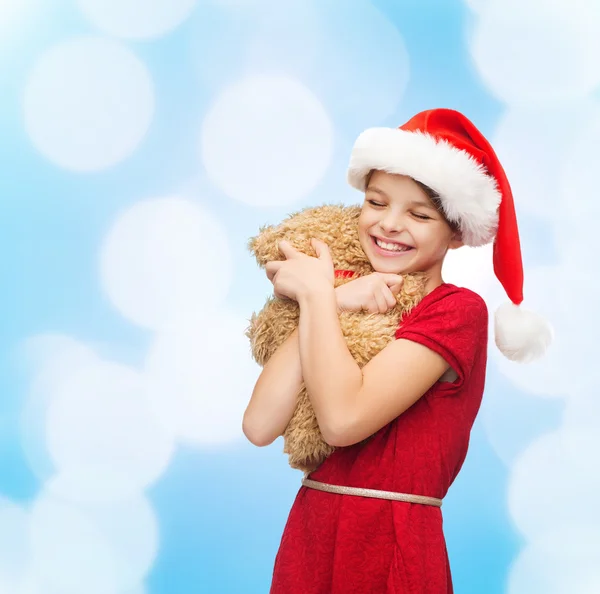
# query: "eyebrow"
413,202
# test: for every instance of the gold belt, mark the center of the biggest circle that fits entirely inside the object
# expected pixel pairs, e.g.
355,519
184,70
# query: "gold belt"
406,498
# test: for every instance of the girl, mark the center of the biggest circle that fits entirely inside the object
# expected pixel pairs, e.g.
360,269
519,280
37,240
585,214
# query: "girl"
368,520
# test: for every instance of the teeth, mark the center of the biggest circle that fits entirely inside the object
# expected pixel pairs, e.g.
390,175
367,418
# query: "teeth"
393,247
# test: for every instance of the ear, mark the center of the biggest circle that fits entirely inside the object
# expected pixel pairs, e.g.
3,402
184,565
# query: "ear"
456,241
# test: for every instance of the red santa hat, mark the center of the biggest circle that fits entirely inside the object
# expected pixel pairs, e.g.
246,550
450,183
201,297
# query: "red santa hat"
442,149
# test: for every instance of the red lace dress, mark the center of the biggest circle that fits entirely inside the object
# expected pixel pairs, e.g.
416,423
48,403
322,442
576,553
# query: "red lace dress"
344,544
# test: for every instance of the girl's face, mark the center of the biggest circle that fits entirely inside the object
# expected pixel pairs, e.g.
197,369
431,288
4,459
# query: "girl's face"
401,230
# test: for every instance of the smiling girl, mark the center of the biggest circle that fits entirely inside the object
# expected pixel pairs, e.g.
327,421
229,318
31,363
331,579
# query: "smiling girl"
369,520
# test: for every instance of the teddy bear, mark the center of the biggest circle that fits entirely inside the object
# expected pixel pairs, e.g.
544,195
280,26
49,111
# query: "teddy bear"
366,334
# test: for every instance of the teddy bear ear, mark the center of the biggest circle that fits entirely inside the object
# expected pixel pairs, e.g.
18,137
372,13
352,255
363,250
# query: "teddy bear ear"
264,245
333,223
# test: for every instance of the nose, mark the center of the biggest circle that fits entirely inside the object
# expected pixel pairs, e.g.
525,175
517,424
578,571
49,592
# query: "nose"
392,223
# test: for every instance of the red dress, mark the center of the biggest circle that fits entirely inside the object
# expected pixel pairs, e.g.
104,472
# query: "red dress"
344,544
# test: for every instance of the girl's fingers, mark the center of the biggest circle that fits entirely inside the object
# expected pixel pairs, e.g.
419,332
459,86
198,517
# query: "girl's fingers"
287,249
322,251
393,281
395,289
272,268
371,305
390,297
382,305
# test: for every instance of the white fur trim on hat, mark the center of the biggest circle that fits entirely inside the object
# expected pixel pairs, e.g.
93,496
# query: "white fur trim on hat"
521,335
469,195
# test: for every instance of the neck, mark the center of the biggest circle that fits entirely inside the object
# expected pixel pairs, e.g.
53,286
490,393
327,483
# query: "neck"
434,280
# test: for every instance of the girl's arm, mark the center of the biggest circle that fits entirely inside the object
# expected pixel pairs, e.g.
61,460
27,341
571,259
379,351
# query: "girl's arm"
275,395
351,404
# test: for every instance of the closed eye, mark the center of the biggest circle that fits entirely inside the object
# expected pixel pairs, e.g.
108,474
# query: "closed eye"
421,216
373,203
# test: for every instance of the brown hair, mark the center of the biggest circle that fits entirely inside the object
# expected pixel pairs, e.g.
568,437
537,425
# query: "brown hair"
437,202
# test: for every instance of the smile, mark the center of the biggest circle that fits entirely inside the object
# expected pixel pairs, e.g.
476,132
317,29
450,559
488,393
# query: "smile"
390,249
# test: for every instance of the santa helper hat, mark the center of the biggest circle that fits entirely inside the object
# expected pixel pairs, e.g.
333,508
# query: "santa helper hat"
442,149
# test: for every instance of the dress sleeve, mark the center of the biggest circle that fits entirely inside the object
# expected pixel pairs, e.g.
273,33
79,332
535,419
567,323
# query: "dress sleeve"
455,326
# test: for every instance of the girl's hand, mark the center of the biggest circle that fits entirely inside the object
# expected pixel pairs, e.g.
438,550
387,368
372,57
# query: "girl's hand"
374,293
299,274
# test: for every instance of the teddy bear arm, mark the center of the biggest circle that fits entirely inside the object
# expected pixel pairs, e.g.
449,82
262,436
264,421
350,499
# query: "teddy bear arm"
271,327
303,441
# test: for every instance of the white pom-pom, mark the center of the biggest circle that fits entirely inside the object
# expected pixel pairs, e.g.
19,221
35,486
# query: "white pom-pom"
521,335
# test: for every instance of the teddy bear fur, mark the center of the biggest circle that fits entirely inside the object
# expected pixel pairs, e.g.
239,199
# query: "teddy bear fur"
365,334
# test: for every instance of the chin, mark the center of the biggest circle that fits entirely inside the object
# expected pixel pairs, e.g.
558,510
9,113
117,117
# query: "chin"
388,267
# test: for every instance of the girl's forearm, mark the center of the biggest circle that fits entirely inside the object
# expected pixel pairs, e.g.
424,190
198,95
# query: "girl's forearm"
275,395
331,375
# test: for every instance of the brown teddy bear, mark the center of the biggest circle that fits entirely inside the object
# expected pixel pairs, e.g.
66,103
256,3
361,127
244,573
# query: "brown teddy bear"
365,334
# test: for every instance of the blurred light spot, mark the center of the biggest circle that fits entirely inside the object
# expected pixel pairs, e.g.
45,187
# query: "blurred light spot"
201,378
96,549
362,67
476,5
137,19
14,544
579,183
552,54
567,560
101,417
550,482
512,419
11,13
266,141
532,143
50,360
164,262
88,103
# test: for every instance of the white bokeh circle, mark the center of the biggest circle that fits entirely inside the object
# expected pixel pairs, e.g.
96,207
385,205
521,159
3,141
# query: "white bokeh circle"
164,262
538,51
137,19
363,66
355,61
12,15
512,419
476,5
237,5
582,410
14,544
34,584
93,549
532,144
548,480
560,562
200,379
266,141
88,103
100,419
69,550
50,360
579,180
139,589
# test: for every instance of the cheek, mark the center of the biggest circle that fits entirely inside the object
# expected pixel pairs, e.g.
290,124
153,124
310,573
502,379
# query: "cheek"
434,239
363,224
